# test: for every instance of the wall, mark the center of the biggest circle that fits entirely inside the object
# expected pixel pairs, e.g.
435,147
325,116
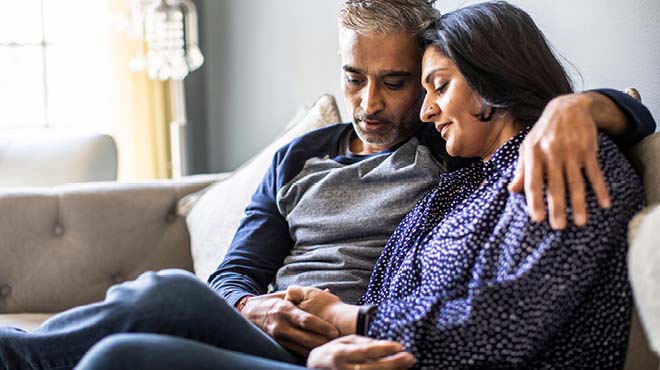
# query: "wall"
266,58
612,43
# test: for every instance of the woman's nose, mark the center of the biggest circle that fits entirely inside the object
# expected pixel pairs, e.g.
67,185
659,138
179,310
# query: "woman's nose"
429,111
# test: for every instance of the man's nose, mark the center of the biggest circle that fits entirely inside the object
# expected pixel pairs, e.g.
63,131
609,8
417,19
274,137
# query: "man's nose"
372,100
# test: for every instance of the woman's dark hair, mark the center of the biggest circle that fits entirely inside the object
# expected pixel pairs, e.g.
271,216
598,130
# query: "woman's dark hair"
503,56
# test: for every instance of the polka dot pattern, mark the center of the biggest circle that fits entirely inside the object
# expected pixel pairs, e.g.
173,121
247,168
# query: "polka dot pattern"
468,281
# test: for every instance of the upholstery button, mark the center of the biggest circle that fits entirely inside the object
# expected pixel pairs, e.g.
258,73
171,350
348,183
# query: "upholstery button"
58,230
5,290
117,278
171,217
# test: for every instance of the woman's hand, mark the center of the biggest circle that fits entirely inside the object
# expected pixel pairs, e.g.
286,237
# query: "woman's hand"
325,305
296,330
354,352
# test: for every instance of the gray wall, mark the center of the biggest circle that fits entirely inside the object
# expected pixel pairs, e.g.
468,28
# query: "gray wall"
266,58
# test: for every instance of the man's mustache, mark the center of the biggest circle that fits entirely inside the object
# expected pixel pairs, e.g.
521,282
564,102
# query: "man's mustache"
362,116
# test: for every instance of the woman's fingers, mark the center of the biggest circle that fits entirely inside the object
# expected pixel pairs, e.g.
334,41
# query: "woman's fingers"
369,351
354,351
399,361
295,294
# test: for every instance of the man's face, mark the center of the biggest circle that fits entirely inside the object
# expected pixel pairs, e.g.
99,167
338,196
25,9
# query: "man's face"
380,80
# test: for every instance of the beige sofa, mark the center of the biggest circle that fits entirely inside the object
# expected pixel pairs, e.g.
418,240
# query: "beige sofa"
48,157
65,246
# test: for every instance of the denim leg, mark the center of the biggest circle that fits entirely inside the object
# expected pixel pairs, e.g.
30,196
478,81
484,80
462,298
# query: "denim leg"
153,351
172,302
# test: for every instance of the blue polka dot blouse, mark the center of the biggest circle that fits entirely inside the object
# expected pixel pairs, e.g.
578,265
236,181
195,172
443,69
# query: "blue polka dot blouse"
468,281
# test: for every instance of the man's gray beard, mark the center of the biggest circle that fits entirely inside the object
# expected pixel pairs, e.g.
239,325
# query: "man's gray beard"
404,132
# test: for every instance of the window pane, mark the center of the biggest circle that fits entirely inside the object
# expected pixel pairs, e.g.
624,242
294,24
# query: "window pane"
75,21
20,21
78,87
21,87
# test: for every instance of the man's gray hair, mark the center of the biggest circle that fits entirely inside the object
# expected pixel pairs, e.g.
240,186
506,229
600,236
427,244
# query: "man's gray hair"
387,16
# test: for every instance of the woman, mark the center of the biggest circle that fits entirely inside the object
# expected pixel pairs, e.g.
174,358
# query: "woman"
468,280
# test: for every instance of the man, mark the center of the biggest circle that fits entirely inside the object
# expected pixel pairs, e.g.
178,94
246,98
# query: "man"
330,201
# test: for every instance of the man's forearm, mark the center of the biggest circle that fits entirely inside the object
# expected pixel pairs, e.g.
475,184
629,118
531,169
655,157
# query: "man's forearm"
619,115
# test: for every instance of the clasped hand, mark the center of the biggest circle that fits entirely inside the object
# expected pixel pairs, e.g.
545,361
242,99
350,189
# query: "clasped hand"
350,351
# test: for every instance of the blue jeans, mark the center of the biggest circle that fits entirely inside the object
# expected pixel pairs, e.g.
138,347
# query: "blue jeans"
172,302
153,351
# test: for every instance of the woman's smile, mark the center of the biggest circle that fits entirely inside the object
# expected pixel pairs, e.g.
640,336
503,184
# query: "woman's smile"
442,128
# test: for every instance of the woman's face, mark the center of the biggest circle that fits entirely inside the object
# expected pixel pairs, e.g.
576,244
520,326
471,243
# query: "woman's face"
452,106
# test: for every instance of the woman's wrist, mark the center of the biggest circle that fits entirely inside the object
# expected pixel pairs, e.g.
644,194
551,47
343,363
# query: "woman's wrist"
344,317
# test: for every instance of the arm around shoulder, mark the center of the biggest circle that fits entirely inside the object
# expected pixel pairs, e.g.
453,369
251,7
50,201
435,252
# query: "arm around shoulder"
619,115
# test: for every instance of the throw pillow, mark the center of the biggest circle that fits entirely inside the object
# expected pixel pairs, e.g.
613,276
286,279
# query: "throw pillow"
216,215
644,271
186,204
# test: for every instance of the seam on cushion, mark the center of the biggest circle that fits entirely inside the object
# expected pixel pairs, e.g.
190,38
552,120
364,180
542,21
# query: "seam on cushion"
58,212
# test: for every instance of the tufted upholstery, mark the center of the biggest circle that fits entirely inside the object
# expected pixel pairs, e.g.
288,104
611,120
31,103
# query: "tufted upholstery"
64,246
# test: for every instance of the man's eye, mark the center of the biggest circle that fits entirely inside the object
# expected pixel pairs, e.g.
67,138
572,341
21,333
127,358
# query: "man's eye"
394,85
353,81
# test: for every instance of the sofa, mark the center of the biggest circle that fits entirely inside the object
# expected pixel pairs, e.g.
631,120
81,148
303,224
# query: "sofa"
65,246
49,157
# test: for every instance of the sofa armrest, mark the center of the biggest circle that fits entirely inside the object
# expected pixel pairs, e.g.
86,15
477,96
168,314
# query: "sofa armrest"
644,157
64,246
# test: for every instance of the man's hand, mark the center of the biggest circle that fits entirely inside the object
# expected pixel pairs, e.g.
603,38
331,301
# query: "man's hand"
293,328
356,352
561,146
325,305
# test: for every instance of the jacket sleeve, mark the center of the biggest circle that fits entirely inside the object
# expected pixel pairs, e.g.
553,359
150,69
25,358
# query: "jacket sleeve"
260,244
640,121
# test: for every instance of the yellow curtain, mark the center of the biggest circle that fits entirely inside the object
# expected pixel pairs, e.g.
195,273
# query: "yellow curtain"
141,112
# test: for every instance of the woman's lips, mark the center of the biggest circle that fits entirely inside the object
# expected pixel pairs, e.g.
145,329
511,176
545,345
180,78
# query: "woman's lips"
442,129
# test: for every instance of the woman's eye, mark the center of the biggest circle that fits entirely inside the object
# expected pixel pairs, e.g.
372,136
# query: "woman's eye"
441,88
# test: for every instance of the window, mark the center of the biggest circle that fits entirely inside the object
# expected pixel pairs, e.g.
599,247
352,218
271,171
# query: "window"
55,64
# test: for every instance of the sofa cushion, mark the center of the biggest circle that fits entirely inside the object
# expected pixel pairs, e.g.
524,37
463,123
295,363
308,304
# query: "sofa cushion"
187,203
65,246
644,267
216,215
645,158
48,157
25,321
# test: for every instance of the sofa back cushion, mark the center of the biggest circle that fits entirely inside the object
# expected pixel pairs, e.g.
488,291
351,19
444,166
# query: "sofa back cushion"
646,158
218,210
50,157
65,246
